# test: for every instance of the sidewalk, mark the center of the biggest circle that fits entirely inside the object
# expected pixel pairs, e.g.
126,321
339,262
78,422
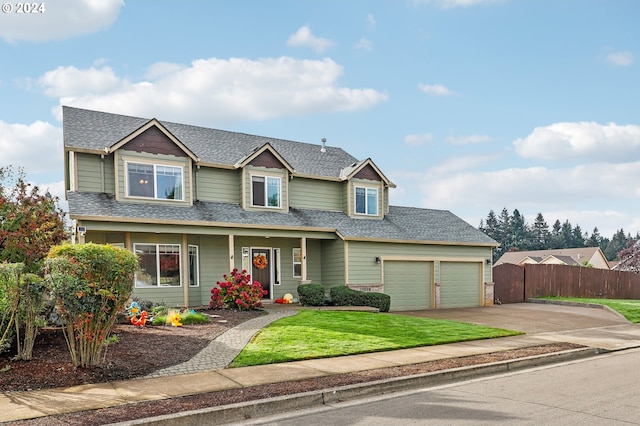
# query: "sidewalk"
205,372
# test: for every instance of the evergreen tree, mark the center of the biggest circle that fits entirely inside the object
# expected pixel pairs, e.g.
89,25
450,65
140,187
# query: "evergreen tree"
578,240
617,243
519,234
556,241
540,234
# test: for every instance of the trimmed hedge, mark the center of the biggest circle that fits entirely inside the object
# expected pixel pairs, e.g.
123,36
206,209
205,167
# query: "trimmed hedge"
344,296
311,294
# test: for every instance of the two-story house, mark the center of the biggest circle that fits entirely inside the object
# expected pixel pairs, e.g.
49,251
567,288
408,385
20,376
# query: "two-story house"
195,202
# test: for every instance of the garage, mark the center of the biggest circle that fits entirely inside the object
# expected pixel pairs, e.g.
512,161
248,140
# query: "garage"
460,284
409,284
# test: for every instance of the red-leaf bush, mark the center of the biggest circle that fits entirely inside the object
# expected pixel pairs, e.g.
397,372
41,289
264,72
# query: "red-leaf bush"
237,291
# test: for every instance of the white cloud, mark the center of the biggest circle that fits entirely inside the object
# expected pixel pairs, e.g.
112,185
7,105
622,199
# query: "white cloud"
371,21
585,140
213,91
467,140
565,193
364,44
304,37
448,4
61,19
621,59
435,90
36,147
417,140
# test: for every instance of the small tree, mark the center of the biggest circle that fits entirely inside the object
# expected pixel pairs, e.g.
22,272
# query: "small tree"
237,292
9,302
91,283
30,222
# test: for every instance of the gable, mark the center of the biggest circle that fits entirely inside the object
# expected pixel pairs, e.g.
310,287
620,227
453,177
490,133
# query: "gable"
154,141
267,159
369,173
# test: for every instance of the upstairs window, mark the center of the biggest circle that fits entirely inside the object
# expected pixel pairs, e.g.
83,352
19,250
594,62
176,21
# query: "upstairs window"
154,181
265,191
367,201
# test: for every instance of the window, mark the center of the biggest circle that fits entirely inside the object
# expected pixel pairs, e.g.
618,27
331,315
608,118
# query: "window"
194,267
265,191
276,266
154,181
367,201
297,263
159,265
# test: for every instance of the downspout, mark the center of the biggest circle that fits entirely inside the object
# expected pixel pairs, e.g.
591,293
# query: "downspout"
102,173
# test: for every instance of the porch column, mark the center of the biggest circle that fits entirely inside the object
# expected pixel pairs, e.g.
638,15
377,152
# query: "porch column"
185,269
303,247
231,252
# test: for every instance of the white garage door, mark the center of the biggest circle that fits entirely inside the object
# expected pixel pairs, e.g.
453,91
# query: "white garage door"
460,284
408,284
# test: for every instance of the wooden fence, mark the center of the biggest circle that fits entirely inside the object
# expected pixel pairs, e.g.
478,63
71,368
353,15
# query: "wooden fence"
516,284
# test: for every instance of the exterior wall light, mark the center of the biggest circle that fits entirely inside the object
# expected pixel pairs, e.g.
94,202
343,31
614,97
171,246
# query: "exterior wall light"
378,260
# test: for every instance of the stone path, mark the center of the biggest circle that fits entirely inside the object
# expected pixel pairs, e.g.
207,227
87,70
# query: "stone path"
221,351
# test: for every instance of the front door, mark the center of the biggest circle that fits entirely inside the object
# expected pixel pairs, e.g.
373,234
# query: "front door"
261,268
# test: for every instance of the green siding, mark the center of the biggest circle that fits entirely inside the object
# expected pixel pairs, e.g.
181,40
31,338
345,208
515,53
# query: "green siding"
332,263
409,284
89,172
460,284
218,185
316,194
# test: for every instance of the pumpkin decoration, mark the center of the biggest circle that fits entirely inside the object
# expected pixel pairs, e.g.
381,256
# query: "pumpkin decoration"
260,261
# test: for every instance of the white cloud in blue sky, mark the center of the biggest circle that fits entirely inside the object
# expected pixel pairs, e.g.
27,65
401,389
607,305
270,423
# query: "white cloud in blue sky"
58,20
466,105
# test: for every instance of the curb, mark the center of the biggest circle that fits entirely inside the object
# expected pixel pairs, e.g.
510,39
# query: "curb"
579,305
270,406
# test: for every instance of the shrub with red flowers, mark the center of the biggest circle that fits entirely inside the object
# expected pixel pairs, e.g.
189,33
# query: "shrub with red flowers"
237,291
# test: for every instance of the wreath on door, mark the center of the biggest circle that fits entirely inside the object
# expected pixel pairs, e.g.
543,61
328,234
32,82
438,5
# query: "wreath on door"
260,261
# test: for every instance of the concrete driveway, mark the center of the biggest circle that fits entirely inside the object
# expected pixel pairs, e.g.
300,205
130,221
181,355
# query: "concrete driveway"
530,318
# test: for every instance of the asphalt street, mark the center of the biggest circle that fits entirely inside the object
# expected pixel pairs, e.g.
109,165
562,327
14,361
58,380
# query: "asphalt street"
595,391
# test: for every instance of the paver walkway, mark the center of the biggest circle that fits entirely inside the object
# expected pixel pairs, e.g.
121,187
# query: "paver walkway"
224,348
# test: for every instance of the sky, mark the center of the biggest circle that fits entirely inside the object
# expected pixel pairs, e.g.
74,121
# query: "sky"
465,105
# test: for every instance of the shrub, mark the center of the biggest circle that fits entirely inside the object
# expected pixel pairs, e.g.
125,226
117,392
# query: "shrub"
22,298
344,296
311,294
91,283
237,292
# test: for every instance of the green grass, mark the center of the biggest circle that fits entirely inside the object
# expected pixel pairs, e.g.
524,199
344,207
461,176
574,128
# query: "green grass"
322,334
629,308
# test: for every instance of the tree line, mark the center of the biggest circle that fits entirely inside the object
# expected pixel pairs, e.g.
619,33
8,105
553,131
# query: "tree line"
514,234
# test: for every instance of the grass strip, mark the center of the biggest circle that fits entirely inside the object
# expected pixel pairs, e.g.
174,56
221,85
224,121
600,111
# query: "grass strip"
322,334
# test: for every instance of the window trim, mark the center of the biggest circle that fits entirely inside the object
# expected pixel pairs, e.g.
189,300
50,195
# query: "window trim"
266,190
294,263
366,197
154,165
157,253
197,265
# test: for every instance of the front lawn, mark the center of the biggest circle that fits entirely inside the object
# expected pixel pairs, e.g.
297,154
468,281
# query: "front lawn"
629,308
323,334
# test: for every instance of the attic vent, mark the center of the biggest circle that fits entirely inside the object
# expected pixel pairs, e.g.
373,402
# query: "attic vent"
324,148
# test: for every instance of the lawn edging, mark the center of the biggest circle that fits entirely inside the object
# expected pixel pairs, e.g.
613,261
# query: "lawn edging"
281,404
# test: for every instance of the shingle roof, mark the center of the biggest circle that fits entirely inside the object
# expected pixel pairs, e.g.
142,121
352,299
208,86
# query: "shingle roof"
95,130
577,254
402,223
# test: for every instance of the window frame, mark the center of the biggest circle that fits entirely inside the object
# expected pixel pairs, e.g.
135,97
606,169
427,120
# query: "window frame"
294,262
158,265
154,167
366,200
265,194
196,274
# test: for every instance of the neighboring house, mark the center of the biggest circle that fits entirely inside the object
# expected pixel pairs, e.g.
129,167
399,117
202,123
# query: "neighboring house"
195,202
586,256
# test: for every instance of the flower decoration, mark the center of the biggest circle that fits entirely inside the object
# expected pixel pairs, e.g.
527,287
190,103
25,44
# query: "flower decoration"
260,261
